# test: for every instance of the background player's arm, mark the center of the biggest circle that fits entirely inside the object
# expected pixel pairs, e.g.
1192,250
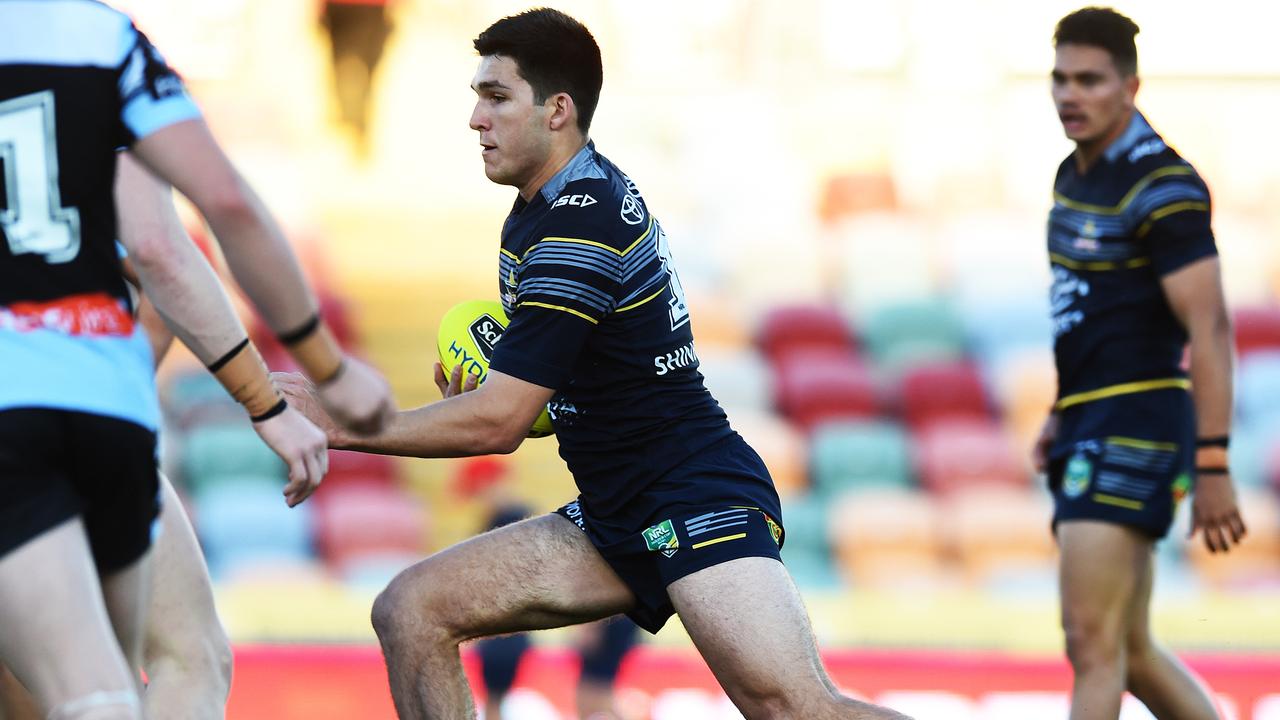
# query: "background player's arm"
1195,295
186,155
493,418
187,294
158,333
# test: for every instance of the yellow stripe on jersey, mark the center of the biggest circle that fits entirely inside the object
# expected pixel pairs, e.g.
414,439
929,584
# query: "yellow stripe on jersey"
1129,196
1125,503
509,254
593,243
635,305
1141,444
1122,389
1168,210
1096,265
561,308
726,538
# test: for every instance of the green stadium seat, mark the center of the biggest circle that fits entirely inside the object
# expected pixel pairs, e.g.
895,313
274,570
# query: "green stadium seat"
913,332
227,450
852,455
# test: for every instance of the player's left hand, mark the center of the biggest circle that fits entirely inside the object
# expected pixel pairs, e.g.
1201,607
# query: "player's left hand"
1214,511
302,396
455,383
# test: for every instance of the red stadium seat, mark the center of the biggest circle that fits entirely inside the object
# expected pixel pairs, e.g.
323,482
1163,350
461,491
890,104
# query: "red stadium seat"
800,327
942,391
955,454
356,520
1257,328
347,466
818,386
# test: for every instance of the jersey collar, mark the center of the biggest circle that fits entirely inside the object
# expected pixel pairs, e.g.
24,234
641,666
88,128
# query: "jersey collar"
582,165
1139,129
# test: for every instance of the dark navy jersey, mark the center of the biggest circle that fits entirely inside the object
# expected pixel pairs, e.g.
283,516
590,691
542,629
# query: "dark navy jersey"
1138,214
598,314
77,82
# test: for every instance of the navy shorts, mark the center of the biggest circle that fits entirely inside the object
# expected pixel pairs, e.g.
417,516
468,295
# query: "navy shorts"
1127,460
59,464
717,507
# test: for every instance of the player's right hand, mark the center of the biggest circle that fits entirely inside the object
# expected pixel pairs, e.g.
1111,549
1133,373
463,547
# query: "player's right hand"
358,398
455,384
1040,451
303,448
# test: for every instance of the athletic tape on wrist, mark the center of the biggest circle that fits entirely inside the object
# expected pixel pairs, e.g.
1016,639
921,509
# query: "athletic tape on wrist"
243,373
1222,441
313,346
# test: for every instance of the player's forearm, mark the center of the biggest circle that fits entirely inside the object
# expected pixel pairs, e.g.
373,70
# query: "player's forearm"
456,427
262,261
188,296
1212,361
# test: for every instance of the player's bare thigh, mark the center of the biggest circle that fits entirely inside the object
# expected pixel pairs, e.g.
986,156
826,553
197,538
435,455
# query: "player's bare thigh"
748,621
535,574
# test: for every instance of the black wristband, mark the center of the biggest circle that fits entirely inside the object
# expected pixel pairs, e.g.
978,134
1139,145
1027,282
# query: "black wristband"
274,411
218,364
1213,470
301,332
1221,441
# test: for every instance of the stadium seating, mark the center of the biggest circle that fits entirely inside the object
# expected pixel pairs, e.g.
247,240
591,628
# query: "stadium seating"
807,549
910,333
799,327
942,391
1257,329
959,454
227,451
783,448
245,521
354,521
739,378
349,467
997,532
816,386
855,455
1258,384
887,538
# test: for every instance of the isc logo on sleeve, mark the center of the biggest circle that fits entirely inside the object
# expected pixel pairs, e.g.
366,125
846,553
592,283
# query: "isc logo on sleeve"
582,200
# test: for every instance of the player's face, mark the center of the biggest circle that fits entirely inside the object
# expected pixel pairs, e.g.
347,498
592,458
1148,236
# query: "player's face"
514,132
1093,98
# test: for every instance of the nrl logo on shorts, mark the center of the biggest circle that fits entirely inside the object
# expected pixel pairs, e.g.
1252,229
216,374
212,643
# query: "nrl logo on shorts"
662,538
486,332
1075,479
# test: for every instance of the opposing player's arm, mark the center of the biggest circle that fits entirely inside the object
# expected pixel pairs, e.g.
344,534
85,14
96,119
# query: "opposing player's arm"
163,127
187,294
158,333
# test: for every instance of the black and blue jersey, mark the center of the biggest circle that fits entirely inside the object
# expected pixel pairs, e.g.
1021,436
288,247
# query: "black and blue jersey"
1139,213
598,314
77,82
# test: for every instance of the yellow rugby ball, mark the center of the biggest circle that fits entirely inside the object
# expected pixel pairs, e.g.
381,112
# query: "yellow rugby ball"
468,333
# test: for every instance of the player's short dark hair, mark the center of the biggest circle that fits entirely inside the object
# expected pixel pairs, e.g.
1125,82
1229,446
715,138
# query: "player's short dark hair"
1102,28
554,54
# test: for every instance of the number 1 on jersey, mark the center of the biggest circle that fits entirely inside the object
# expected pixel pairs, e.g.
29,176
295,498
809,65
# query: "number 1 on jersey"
33,218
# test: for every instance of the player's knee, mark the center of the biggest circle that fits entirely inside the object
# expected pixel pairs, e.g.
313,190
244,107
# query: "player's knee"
1090,639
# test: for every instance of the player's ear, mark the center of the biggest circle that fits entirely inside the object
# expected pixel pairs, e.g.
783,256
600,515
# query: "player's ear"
1131,84
564,113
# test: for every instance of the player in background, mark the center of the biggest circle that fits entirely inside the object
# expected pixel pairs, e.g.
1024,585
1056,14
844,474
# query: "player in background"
676,513
1136,280
77,424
